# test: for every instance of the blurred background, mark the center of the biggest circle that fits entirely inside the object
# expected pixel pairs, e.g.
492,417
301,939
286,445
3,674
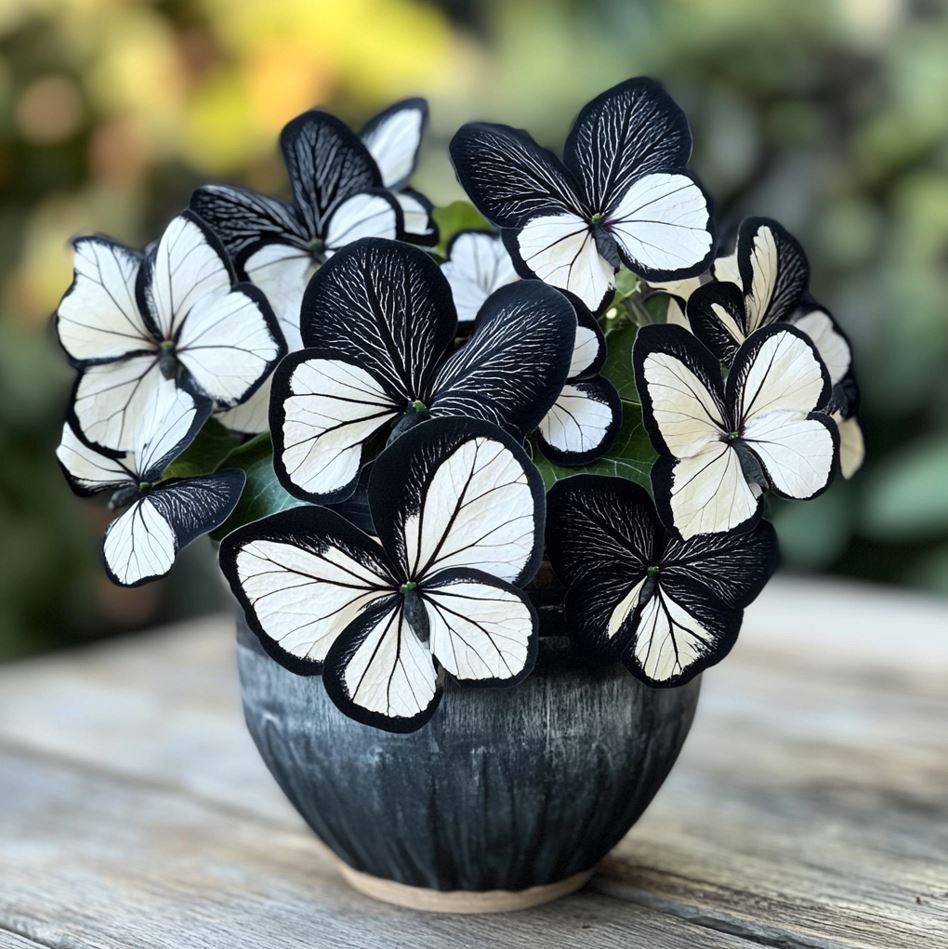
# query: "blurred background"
831,117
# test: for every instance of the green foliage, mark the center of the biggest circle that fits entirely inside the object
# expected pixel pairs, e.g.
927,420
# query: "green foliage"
213,443
455,217
620,332
631,454
263,493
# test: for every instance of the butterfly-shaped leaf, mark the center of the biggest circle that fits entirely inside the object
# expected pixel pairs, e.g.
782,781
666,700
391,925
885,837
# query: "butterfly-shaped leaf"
765,282
477,265
621,193
342,189
667,608
141,326
393,138
772,277
161,516
584,420
378,322
720,447
459,512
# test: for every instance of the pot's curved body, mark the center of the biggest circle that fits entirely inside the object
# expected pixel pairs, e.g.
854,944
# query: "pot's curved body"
501,790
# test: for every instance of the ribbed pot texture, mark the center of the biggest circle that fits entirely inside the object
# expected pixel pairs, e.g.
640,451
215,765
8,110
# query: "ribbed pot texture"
502,789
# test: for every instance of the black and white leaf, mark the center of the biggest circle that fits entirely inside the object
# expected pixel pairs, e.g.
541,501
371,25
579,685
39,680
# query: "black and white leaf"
325,407
632,130
720,448
378,321
245,220
621,194
387,307
99,319
302,576
459,513
477,264
764,283
667,608
459,494
188,326
163,517
327,164
587,414
514,363
393,138
338,197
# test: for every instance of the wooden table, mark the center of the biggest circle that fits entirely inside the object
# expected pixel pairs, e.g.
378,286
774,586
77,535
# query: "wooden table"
809,807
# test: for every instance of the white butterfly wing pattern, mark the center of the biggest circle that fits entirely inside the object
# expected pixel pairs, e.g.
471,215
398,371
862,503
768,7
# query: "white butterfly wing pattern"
583,421
830,343
89,471
451,494
393,139
774,271
852,445
380,673
481,629
141,544
667,608
251,417
189,265
777,383
99,318
165,435
303,576
621,191
370,214
662,224
229,343
282,271
109,400
328,408
683,396
560,249
699,482
477,265
455,504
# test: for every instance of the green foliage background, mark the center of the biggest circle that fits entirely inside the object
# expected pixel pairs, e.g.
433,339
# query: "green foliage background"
829,116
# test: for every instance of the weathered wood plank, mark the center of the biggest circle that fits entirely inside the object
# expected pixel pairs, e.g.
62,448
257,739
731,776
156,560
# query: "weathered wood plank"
808,808
12,940
92,861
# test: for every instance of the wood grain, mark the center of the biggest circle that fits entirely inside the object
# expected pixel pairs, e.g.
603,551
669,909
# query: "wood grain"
809,807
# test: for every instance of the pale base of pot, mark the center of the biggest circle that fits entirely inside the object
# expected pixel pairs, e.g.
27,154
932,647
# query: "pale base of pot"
460,901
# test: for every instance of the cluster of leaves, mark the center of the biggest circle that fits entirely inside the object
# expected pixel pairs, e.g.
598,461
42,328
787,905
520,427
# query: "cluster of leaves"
414,381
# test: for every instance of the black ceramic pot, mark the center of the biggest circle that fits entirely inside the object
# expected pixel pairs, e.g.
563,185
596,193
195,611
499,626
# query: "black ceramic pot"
522,790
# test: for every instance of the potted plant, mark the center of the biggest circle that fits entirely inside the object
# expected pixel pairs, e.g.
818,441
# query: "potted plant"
490,485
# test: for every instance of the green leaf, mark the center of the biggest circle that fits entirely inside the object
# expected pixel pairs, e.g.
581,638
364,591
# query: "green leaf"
627,282
630,456
263,493
212,444
455,217
620,331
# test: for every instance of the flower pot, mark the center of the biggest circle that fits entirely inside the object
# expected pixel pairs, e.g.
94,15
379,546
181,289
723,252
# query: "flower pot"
505,799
